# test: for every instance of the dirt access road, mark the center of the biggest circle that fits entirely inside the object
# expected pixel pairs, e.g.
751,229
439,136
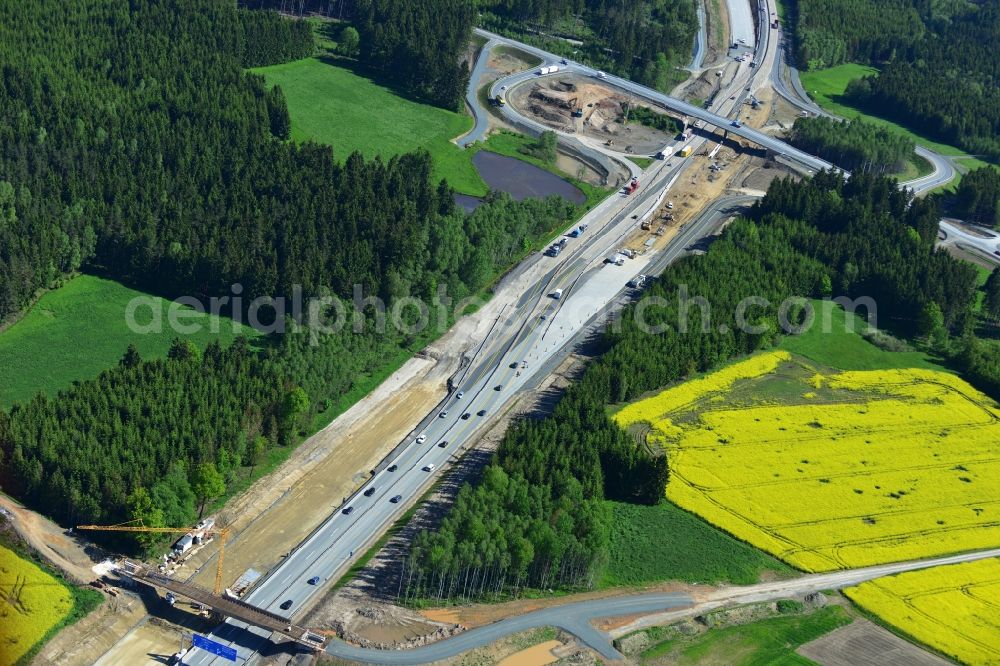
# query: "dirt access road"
73,557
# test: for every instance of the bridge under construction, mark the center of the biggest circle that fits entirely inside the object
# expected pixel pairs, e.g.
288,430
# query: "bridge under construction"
226,606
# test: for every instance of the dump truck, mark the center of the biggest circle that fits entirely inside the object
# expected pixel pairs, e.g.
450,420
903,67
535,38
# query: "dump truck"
500,101
632,186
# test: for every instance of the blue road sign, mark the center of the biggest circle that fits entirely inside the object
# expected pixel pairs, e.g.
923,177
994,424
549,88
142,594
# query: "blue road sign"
208,645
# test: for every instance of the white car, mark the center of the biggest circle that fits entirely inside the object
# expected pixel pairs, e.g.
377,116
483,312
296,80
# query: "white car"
421,439
429,468
460,394
443,414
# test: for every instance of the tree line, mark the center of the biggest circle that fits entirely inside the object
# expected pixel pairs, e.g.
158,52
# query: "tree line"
832,32
536,519
644,40
853,145
940,75
977,199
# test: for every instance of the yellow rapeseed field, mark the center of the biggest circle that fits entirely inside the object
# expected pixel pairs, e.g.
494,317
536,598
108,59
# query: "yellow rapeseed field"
954,609
31,603
832,470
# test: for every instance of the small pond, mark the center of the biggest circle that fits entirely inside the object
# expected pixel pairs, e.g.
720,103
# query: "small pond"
519,179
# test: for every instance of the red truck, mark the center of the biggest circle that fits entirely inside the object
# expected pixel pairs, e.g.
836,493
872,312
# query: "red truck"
632,186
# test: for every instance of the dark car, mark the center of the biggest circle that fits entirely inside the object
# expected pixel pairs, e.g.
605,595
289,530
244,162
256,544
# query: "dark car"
395,499
466,416
443,443
481,412
348,511
314,580
286,604
391,468
370,492
513,365
498,387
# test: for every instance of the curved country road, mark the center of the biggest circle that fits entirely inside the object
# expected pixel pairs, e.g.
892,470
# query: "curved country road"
944,169
576,618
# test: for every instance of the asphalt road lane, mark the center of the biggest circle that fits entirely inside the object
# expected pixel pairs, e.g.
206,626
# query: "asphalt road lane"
574,618
524,336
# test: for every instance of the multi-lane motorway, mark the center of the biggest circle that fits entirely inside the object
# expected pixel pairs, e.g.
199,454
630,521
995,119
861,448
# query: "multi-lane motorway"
530,333
528,336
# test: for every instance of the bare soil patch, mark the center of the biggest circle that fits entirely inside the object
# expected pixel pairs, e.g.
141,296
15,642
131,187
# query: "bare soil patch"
863,642
554,100
72,556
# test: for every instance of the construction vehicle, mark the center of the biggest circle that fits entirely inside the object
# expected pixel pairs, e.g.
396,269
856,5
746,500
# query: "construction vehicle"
222,533
578,113
645,225
686,151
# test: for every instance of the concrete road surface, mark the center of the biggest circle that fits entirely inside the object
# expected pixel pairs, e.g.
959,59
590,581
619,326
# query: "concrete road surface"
741,23
988,243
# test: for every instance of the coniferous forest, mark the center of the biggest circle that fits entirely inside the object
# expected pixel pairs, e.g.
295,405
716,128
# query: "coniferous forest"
853,145
978,197
536,520
644,40
940,75
133,143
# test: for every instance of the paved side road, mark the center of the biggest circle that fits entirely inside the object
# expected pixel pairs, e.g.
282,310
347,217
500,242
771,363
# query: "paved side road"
944,169
574,618
660,608
479,114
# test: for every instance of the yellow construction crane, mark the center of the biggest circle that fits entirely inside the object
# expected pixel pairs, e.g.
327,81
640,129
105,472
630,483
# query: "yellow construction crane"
221,532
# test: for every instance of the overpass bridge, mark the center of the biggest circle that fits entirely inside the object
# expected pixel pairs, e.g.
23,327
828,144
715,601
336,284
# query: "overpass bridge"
226,606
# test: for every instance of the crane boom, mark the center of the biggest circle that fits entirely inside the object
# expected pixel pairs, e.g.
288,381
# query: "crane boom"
222,532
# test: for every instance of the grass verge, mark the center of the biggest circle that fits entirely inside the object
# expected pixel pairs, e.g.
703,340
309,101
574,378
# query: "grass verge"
916,167
333,105
771,641
516,53
826,87
833,340
664,542
79,329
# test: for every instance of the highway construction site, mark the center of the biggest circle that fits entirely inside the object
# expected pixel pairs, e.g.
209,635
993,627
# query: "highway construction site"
272,517
578,105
